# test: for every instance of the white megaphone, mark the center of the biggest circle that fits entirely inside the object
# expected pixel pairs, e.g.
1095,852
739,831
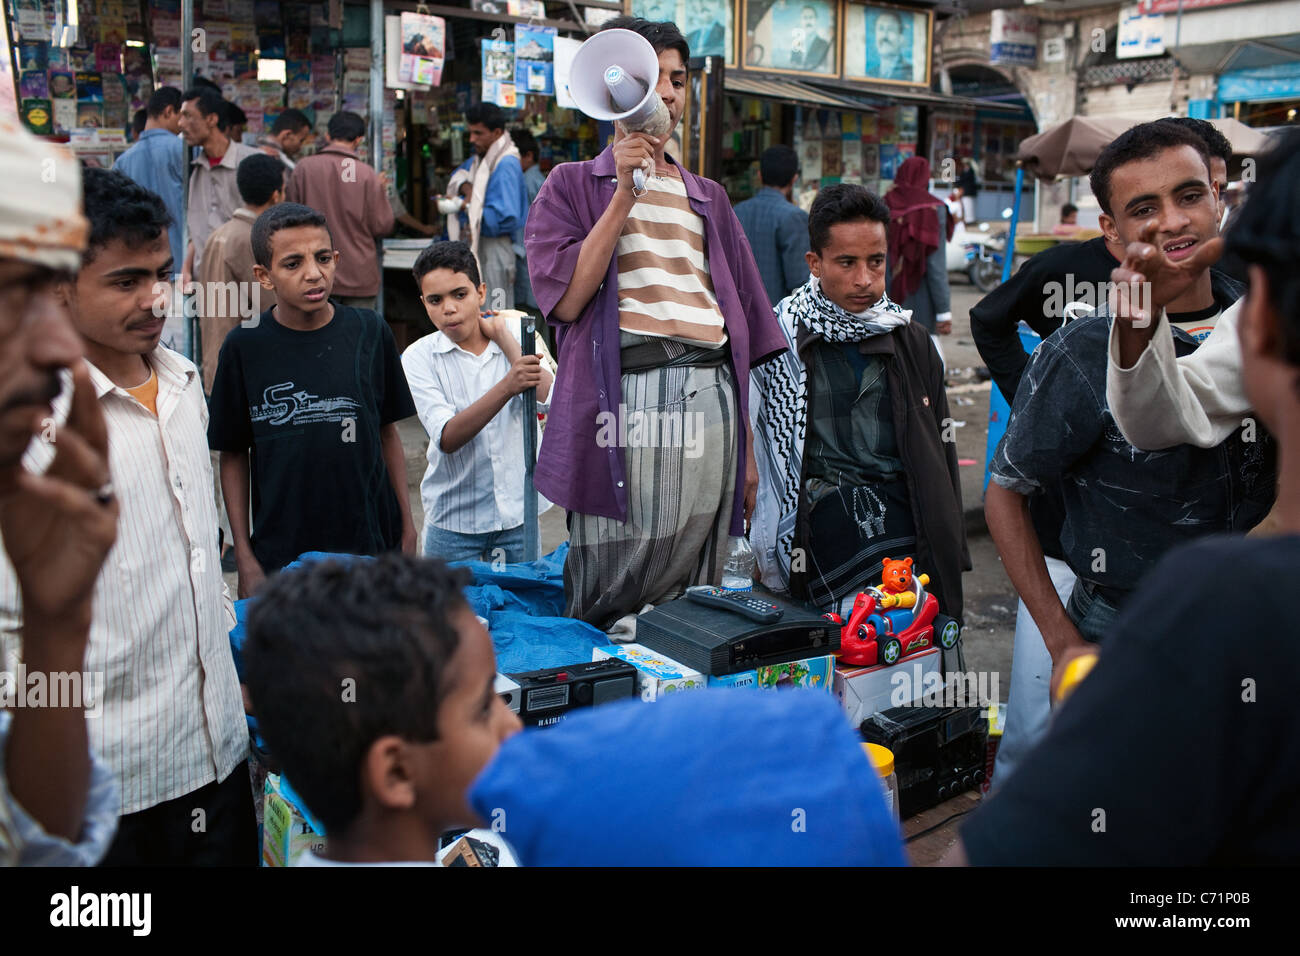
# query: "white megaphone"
613,77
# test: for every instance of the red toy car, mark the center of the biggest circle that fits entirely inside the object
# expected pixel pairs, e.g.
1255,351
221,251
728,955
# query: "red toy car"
876,634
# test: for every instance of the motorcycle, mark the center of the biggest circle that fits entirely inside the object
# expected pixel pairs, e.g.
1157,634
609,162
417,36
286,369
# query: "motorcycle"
977,253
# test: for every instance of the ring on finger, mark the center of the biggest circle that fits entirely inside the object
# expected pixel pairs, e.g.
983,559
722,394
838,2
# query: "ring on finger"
104,493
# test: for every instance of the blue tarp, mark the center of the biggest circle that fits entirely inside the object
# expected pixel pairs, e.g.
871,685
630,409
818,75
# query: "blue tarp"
523,604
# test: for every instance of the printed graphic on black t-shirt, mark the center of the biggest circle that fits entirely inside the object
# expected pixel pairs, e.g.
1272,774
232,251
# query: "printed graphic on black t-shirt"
286,404
308,408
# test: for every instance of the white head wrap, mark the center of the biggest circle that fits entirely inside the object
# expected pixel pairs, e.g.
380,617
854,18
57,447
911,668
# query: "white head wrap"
40,200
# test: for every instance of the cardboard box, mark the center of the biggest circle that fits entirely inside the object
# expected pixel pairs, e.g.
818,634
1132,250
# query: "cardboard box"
287,833
656,675
813,673
864,691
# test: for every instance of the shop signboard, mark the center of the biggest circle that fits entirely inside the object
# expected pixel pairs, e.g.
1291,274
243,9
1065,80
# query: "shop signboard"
1140,34
1013,38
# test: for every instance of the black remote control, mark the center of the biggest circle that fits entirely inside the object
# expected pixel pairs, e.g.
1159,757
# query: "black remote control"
742,602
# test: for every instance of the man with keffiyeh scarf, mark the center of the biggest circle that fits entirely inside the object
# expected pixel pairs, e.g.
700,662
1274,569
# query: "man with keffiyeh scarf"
850,426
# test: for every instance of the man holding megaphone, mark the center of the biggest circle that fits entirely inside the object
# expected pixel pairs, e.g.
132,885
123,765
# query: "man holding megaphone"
660,313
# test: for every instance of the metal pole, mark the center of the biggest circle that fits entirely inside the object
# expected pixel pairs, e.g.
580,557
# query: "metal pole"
187,77
1009,252
532,545
377,120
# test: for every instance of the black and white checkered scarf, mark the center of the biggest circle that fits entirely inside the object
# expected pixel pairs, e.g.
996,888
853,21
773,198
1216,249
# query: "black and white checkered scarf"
780,408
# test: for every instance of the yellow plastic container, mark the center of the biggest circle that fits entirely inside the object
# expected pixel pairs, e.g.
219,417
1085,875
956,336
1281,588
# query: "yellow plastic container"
882,758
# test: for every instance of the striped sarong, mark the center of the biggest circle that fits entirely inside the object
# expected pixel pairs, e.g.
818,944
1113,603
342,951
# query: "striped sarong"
679,438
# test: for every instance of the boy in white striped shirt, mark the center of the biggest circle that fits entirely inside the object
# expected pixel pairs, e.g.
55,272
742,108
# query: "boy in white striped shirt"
467,380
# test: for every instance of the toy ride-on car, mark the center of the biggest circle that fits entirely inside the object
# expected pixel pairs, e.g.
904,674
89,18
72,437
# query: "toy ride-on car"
883,629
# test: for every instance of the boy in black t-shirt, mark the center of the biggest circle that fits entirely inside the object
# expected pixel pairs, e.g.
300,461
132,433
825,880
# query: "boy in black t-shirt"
304,410
1182,746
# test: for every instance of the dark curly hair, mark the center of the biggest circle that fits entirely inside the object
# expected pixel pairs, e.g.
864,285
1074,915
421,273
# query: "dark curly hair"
258,177
1142,142
287,215
843,202
339,654
1266,232
118,207
1216,144
662,36
455,256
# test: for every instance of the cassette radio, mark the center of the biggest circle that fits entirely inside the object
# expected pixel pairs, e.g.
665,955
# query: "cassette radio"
546,696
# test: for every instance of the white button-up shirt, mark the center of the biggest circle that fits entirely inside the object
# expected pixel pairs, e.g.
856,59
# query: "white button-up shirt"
172,715
478,488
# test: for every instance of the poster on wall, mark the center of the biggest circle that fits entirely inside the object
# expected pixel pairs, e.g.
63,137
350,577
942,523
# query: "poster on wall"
708,25
851,159
424,40
792,36
565,48
870,163
498,59
887,44
535,60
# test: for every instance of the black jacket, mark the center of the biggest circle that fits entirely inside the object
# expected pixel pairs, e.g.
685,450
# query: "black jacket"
1034,295
921,416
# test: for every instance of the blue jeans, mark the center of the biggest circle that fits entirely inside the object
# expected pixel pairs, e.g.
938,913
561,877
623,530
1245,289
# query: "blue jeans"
505,545
1092,614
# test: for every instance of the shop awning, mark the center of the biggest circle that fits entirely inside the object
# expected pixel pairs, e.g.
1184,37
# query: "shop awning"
791,91
880,95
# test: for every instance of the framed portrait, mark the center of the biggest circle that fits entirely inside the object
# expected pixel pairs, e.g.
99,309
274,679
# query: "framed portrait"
708,25
887,44
792,36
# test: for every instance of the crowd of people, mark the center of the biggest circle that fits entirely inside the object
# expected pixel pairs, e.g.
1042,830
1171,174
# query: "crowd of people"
1145,438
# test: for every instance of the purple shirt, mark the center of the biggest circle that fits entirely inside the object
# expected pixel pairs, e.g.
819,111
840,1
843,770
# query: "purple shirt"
572,469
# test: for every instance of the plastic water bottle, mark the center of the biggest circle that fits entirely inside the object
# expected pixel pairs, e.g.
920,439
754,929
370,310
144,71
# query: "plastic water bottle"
738,572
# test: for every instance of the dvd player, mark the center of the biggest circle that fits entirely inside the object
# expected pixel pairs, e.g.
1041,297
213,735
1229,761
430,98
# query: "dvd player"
719,642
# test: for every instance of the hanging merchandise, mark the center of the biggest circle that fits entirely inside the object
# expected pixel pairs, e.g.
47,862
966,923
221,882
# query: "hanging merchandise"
423,46
270,29
535,60
298,83
356,92
498,72
36,114
31,22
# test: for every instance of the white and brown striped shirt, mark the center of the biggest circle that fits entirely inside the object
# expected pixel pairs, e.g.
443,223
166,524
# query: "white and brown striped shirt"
172,716
664,286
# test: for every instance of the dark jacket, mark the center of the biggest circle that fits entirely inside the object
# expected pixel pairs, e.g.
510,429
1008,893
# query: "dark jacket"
920,408
1124,508
1035,295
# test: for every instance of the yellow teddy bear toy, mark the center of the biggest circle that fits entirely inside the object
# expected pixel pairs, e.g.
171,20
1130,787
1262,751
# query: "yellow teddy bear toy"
896,582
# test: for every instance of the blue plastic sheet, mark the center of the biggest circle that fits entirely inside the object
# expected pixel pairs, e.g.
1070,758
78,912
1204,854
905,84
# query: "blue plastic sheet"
523,604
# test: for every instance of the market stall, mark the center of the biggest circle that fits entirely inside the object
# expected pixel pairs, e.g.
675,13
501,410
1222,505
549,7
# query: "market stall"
932,737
